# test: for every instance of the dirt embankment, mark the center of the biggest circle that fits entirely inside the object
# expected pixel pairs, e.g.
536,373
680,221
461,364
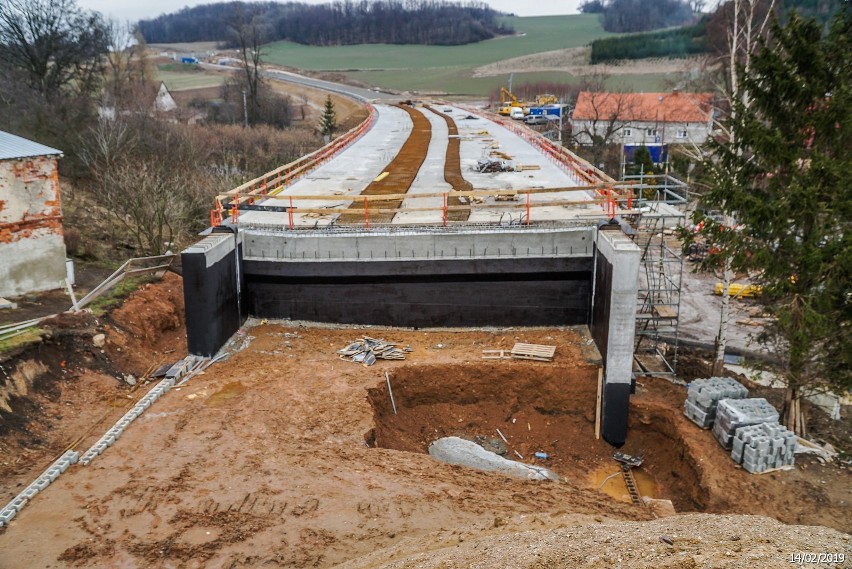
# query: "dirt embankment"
284,455
73,384
452,169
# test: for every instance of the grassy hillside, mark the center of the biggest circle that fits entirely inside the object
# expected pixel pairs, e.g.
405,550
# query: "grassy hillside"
449,68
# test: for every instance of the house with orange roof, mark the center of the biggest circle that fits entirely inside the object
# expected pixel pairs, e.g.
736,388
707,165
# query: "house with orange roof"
642,118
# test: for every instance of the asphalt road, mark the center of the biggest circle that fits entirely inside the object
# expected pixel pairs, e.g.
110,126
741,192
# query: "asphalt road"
366,95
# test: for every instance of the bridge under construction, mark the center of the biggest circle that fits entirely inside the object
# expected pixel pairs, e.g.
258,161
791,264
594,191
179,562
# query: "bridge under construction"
432,215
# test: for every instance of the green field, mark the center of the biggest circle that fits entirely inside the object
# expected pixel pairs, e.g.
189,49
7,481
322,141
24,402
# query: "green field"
539,34
448,69
180,76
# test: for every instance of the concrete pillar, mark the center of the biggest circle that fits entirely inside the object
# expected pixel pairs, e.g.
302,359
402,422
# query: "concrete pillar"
211,291
613,326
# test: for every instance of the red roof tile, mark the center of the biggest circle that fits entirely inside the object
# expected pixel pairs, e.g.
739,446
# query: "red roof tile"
646,107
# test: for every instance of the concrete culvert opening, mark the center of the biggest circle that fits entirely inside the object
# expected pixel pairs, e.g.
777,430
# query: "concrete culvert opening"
539,408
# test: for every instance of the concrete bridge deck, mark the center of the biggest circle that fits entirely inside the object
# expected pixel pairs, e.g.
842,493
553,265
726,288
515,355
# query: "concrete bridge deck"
352,170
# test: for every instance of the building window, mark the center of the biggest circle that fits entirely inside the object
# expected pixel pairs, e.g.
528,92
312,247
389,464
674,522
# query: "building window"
651,132
681,134
628,133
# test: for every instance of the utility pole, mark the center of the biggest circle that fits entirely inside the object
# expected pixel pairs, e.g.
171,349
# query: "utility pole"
245,110
561,112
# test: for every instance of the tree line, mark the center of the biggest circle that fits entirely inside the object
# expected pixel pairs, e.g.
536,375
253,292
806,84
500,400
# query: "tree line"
708,35
630,16
679,42
422,22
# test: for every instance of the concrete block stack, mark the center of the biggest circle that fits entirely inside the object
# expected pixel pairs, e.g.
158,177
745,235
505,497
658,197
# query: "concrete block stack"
704,394
762,447
733,414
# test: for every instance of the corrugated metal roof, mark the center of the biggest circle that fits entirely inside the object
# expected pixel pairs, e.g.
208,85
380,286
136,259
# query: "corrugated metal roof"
12,147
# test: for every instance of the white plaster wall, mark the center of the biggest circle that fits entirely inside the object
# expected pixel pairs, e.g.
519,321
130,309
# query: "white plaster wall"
31,265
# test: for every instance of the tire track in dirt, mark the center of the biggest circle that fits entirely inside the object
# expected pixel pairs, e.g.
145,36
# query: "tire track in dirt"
452,169
401,173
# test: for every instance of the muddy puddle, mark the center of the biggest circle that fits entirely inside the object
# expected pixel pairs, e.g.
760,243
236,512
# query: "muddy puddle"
608,479
229,392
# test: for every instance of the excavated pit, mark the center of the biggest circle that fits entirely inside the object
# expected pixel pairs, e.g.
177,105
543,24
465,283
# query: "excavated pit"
538,407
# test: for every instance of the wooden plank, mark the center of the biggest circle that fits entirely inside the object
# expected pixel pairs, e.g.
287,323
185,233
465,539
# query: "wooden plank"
598,404
664,311
394,197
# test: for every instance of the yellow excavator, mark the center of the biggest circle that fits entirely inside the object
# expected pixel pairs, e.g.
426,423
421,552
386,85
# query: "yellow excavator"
546,99
507,101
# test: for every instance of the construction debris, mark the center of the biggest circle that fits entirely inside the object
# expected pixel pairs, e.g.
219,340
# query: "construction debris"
524,167
825,452
492,166
506,197
367,350
704,394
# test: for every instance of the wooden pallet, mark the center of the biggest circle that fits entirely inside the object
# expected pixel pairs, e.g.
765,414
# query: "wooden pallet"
495,355
535,352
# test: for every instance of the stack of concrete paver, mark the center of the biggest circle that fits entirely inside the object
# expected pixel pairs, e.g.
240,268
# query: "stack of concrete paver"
704,394
733,414
762,447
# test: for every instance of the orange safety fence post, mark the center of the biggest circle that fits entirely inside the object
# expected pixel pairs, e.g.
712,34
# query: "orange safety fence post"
366,214
528,208
235,211
444,213
290,213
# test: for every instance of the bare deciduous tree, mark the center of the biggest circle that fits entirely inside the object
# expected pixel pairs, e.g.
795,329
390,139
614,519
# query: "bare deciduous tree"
55,42
129,75
248,35
602,117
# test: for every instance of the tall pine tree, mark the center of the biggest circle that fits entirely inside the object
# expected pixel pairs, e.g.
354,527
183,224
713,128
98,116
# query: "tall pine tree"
791,195
328,122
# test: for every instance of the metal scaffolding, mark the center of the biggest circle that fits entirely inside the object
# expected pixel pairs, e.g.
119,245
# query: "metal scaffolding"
660,201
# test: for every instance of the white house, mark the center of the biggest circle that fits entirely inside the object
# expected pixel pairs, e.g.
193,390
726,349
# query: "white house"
164,101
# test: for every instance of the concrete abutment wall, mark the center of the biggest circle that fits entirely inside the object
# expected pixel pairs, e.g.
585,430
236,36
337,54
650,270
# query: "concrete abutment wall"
211,291
504,276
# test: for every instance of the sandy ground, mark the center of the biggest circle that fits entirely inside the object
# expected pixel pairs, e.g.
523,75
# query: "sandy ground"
285,455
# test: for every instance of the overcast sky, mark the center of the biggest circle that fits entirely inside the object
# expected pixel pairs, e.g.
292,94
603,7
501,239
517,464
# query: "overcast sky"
136,10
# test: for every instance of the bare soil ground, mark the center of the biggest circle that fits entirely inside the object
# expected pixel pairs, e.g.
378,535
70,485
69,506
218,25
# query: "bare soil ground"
284,455
575,61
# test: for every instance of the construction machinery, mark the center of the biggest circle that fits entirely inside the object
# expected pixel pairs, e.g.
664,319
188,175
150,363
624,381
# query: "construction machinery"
546,99
736,290
507,102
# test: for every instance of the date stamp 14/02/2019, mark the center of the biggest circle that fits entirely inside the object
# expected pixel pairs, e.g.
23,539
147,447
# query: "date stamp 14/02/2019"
816,558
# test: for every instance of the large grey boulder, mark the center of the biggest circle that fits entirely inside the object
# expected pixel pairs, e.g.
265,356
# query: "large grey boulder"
455,450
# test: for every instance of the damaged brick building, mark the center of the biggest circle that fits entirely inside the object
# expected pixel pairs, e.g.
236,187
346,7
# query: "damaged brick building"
32,247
